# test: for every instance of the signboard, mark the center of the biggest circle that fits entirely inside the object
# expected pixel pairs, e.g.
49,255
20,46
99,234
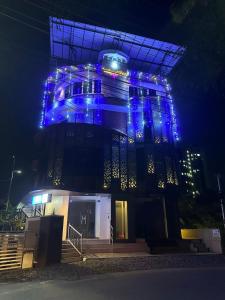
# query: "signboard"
216,233
41,199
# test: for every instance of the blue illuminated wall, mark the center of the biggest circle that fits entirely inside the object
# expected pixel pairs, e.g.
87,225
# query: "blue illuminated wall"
85,93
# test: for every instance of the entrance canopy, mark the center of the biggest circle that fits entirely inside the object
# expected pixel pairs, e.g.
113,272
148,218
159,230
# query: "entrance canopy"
80,43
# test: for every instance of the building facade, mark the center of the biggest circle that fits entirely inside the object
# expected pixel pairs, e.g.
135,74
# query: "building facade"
106,148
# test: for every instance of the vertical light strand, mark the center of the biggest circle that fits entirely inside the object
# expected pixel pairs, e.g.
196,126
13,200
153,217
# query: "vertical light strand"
130,128
44,101
123,163
173,114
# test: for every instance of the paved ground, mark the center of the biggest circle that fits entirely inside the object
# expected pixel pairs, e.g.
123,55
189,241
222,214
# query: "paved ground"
95,266
170,284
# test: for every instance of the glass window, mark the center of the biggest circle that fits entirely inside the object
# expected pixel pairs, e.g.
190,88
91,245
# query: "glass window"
97,86
77,88
67,92
152,93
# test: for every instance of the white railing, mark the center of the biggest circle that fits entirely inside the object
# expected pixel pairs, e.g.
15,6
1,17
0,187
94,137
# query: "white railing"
111,234
32,211
75,239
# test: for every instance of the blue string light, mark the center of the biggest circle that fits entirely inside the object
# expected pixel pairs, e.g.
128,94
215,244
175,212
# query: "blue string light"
71,96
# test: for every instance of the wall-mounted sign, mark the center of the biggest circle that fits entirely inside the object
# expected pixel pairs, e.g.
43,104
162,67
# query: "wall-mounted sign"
216,233
41,199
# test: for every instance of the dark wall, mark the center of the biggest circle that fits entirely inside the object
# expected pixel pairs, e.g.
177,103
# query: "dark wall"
92,158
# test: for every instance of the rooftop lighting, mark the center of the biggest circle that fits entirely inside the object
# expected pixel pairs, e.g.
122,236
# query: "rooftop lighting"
114,65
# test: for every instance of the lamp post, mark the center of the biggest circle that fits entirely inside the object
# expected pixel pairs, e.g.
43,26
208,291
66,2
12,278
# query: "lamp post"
221,198
13,171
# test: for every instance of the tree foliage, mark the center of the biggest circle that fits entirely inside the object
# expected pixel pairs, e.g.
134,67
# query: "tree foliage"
12,219
181,9
201,212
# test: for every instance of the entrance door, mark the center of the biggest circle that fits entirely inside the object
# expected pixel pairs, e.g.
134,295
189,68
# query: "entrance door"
82,217
121,220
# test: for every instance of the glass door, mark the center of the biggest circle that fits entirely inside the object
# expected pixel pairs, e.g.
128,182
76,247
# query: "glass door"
82,217
121,220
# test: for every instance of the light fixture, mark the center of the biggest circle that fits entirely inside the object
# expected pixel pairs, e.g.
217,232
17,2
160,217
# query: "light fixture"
88,101
114,65
18,171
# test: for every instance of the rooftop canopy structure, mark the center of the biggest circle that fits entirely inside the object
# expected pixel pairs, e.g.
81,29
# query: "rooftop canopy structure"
79,43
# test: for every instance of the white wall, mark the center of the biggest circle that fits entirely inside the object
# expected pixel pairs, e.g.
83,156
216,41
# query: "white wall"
105,217
59,206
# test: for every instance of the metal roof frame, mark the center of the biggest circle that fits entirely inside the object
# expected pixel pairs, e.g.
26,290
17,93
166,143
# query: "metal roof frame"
81,43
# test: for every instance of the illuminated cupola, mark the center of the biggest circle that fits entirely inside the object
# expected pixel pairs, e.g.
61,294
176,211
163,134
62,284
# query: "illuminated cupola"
113,61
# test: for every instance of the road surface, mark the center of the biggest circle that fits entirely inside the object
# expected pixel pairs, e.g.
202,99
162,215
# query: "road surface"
173,284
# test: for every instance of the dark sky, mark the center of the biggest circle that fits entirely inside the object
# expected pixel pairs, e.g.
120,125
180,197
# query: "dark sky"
198,81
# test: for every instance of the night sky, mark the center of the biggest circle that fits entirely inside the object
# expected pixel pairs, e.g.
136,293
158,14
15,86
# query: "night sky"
198,81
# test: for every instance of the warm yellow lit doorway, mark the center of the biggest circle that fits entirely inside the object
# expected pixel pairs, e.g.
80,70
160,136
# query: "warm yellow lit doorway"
121,220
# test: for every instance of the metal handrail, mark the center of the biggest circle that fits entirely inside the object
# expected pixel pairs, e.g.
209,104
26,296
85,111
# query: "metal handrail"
23,212
111,234
75,238
37,212
80,234
34,211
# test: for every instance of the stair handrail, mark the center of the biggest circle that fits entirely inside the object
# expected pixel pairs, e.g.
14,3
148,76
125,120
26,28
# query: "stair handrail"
37,212
23,212
111,234
75,238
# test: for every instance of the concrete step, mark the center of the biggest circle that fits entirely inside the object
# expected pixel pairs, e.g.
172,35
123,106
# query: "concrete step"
96,242
118,245
90,247
186,246
116,248
73,252
168,250
69,260
68,249
69,254
198,246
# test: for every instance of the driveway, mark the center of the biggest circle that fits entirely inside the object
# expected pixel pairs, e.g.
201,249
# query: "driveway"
170,284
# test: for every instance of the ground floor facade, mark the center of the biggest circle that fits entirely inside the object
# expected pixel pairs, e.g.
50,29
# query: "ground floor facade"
117,217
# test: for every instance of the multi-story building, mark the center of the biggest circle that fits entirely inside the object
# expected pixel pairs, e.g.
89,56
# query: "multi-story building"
106,156
193,176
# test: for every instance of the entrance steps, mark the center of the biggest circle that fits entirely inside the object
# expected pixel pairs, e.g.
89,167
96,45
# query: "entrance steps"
92,247
69,254
87,242
116,248
198,246
178,247
11,251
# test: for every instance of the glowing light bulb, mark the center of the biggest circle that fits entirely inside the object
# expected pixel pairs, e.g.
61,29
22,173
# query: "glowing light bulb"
88,101
114,65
